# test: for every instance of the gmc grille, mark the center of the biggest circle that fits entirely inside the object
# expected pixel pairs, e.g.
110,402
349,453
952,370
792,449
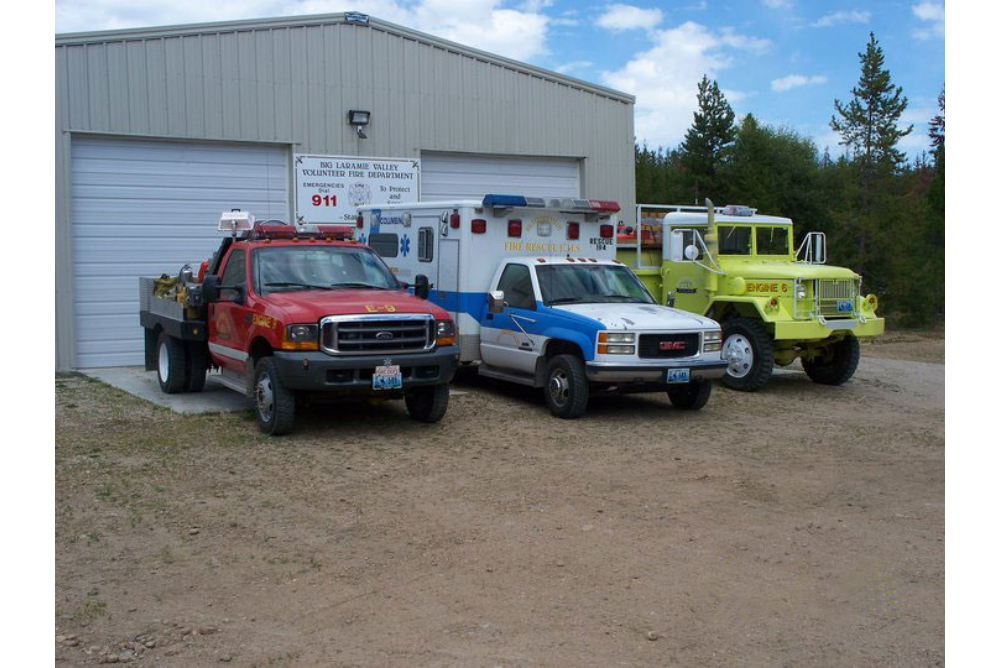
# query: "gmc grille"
377,335
668,345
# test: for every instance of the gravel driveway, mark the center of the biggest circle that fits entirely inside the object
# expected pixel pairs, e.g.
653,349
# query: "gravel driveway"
802,525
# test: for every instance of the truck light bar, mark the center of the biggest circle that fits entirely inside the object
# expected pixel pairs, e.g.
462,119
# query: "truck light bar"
563,204
280,230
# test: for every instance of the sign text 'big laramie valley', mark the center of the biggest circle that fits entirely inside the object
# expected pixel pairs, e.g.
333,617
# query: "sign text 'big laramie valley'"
357,170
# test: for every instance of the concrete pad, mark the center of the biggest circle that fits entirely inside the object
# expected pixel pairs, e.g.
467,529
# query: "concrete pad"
215,398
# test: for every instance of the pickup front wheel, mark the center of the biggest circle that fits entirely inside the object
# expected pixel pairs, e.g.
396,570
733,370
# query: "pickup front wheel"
428,404
274,403
692,396
171,364
566,388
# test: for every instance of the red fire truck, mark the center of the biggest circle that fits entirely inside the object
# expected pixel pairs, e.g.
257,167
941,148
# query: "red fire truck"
283,312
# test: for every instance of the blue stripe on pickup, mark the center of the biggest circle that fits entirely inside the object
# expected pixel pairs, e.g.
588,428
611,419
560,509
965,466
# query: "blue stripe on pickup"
554,323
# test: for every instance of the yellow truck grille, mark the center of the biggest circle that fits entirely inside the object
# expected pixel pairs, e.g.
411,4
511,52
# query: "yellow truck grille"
836,297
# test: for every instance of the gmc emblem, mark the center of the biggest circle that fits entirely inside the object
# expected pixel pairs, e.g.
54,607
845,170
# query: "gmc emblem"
671,345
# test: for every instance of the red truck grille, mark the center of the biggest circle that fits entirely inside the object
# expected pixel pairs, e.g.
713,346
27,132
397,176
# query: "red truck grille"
377,335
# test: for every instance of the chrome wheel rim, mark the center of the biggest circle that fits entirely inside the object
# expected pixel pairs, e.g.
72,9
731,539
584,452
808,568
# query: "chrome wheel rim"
738,352
559,387
164,362
265,397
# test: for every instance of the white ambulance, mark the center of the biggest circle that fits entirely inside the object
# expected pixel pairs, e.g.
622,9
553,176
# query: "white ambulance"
539,298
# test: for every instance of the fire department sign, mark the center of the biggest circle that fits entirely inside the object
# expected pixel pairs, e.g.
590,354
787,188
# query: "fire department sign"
329,188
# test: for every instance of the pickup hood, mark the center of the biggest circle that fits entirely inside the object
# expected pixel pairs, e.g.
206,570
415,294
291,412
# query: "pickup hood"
639,316
785,270
311,305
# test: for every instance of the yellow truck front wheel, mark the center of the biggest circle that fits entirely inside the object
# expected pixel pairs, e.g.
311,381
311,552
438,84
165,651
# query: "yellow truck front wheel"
748,350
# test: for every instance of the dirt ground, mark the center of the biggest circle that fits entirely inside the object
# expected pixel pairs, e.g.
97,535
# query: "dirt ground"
799,526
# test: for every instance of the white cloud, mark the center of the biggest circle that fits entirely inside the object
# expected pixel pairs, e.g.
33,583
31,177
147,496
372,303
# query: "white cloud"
665,78
619,17
485,24
573,66
841,17
931,13
796,81
777,4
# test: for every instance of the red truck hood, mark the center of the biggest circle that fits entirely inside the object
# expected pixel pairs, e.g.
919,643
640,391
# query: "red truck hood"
311,305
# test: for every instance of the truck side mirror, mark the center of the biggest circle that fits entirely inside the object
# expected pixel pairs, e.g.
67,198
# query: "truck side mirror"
691,253
210,289
421,286
676,246
236,294
496,302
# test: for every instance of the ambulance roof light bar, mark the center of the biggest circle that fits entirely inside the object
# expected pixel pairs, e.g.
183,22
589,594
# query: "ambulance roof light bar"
590,207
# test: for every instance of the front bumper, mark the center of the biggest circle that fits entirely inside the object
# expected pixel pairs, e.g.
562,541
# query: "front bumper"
800,330
319,372
602,372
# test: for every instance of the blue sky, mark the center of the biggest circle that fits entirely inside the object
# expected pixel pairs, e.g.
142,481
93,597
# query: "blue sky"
783,60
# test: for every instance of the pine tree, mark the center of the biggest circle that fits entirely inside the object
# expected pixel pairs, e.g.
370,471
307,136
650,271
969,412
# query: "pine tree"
937,125
708,140
868,126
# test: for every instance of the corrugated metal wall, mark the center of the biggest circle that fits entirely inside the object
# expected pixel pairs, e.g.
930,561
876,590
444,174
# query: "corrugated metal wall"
292,83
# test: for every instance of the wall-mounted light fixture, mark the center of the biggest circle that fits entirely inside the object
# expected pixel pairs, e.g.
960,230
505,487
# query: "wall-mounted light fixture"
359,119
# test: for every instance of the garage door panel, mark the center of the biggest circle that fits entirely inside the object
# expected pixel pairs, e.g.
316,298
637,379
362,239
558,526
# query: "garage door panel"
143,208
463,176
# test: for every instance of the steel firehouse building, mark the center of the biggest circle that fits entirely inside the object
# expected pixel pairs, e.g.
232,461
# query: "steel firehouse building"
160,130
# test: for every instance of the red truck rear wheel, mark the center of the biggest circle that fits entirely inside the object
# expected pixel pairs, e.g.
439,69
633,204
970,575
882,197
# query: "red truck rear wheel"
171,367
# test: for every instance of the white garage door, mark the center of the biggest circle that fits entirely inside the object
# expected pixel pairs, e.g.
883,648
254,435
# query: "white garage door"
143,208
457,176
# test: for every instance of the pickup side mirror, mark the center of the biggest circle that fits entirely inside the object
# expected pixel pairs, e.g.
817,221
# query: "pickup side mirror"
210,289
495,301
421,286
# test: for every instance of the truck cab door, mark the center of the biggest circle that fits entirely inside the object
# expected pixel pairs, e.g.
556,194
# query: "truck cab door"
230,320
512,340
682,277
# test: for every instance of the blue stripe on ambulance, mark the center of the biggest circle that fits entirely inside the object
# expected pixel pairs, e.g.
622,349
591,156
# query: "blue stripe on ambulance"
551,322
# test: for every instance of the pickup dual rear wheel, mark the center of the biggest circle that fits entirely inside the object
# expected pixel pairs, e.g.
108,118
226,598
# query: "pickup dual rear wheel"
273,402
566,388
171,364
690,397
838,364
428,404
748,350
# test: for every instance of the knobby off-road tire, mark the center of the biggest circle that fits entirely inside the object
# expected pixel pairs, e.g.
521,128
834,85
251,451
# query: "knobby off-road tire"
197,366
566,388
692,396
273,402
428,404
838,365
171,364
748,349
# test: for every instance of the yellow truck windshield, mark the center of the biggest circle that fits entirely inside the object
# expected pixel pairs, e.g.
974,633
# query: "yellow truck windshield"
772,240
734,240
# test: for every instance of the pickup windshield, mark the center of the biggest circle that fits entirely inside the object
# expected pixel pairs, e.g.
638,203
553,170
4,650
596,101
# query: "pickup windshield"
590,284
288,268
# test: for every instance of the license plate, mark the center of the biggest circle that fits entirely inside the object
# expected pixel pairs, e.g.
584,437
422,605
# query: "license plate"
844,306
678,375
387,378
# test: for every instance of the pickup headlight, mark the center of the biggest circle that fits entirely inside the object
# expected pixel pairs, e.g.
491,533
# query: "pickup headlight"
616,343
301,337
444,333
711,341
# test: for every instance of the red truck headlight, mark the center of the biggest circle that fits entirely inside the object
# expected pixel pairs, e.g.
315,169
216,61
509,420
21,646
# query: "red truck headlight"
301,337
444,333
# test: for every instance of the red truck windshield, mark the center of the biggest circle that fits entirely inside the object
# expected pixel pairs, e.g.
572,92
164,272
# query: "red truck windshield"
286,268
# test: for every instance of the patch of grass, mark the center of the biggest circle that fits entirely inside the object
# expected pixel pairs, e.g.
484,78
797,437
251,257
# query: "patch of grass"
93,537
90,610
315,563
167,555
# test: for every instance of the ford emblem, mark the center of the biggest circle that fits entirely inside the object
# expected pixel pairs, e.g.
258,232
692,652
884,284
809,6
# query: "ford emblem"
384,336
